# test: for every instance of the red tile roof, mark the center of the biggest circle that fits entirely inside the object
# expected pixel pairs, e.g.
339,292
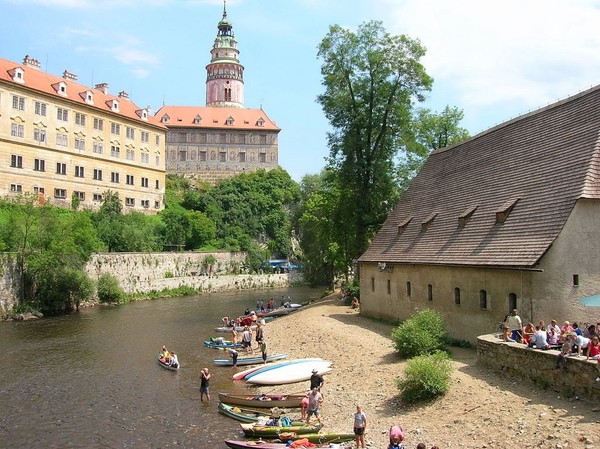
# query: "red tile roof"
541,163
213,117
46,83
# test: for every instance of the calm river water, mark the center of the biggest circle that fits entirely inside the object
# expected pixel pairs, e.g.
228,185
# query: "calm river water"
90,379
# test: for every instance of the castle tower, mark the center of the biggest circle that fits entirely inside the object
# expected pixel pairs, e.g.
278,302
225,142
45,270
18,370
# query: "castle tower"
225,74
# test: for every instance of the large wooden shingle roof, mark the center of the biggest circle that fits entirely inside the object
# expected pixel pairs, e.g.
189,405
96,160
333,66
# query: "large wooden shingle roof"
529,171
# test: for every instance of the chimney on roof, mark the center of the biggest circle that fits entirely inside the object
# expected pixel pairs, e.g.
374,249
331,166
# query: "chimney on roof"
123,94
102,87
69,76
30,62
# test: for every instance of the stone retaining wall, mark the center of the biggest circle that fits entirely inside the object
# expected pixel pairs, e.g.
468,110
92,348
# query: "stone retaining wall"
537,365
9,282
146,272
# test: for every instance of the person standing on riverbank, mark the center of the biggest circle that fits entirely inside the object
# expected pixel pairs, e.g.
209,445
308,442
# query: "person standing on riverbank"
204,380
314,402
360,427
316,380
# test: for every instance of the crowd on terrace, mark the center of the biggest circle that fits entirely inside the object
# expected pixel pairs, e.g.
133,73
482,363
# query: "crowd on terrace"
570,339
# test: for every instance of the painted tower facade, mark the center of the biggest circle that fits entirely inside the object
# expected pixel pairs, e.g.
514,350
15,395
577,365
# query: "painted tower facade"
225,74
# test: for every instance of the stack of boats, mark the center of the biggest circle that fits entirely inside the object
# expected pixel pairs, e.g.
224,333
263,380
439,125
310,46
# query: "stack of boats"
264,416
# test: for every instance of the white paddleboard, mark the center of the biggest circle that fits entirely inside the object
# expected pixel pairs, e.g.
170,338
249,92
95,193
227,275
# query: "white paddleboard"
290,374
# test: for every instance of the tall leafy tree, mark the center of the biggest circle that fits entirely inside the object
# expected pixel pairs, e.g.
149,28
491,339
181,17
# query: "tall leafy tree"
429,131
371,79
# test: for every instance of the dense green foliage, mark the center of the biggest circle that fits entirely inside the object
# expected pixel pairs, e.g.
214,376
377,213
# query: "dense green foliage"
372,80
425,378
109,290
52,246
422,333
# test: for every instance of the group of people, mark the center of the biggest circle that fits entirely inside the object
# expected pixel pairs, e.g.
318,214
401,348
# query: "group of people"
570,339
396,434
168,357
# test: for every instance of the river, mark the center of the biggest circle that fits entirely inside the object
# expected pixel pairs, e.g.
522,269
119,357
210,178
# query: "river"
90,379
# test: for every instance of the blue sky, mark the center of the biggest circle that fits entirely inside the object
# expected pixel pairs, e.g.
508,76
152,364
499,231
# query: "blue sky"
493,59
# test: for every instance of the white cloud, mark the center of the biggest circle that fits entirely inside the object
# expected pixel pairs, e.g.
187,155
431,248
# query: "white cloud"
140,73
131,56
526,51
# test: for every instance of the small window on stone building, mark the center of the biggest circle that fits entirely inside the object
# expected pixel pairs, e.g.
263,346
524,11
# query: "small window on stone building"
389,287
512,302
457,296
575,280
483,299
430,292
408,289
372,284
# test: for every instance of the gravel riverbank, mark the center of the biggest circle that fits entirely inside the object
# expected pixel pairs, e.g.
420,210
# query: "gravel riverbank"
484,409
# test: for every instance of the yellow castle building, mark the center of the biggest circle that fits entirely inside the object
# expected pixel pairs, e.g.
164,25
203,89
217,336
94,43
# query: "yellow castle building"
69,143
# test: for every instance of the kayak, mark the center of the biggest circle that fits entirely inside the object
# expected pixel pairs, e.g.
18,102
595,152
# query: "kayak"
237,328
257,430
272,400
289,374
227,344
249,360
165,366
251,415
325,443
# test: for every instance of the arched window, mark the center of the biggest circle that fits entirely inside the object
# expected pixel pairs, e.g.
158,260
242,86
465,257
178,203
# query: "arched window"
457,296
512,302
482,299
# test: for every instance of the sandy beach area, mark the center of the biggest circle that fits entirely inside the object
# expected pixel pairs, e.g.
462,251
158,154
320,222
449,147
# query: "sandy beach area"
484,409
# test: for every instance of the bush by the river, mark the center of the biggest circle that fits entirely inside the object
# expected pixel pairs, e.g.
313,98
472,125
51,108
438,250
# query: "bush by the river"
422,333
425,377
109,289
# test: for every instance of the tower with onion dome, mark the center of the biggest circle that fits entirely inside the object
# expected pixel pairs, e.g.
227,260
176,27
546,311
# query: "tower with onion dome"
225,74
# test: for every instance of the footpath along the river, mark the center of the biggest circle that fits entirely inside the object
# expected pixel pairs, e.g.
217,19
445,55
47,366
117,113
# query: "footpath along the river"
484,409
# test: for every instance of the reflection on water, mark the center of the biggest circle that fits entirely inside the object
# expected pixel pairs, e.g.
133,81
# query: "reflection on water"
90,379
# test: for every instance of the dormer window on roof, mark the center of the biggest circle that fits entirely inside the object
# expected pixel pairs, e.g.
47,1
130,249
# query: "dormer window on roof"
402,226
165,118
230,121
465,216
17,74
113,105
504,211
143,114
88,96
260,122
60,88
425,224
197,120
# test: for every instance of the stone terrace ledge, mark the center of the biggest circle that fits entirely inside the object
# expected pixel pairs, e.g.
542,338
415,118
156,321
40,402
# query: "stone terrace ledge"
518,360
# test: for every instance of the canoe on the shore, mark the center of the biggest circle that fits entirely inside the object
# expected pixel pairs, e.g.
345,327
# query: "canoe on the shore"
313,362
266,445
249,360
228,344
289,374
281,400
251,415
257,430
318,438
166,366
229,328
277,312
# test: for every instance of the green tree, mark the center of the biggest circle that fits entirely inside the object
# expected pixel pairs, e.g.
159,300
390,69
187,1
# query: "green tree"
371,79
429,131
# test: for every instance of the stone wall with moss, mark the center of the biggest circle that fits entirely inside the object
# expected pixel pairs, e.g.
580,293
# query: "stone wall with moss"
9,282
205,271
539,366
